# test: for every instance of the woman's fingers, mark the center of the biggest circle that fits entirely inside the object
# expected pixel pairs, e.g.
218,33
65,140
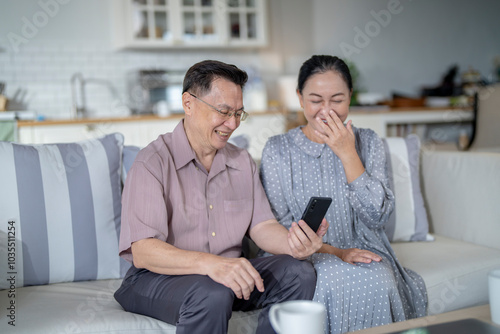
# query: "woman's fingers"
336,121
353,255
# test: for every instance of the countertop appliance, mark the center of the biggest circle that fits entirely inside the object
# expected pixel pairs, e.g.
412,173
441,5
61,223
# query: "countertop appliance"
153,90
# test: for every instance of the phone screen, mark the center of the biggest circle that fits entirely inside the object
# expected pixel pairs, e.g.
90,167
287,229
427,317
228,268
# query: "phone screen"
315,211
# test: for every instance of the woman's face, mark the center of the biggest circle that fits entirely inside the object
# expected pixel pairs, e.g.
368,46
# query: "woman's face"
323,92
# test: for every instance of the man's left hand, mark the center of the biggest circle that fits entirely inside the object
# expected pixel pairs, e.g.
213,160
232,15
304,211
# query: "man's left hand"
303,241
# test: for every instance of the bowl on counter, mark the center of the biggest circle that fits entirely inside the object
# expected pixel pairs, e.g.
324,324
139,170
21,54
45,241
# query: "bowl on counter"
437,101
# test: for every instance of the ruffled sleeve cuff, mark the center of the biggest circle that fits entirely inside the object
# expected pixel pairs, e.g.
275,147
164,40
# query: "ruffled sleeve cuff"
360,182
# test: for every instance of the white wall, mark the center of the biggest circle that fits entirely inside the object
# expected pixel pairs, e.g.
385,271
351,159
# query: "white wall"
415,45
37,67
415,48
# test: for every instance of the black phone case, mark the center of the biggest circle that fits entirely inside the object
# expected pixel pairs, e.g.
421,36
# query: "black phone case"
316,211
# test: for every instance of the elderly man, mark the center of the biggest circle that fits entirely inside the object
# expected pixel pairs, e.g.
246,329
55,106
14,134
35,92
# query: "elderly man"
189,199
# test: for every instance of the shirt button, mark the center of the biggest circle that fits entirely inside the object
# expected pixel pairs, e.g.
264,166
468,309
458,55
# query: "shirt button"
211,207
213,234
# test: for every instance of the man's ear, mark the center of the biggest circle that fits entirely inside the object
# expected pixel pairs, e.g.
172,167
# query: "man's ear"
187,103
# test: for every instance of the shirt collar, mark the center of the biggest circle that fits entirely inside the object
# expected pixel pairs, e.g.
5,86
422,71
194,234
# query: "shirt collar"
305,144
184,153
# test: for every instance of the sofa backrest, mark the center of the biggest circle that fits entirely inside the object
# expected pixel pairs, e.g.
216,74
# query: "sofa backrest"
462,195
487,118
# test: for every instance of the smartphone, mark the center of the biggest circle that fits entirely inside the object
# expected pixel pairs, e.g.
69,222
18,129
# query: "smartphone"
315,211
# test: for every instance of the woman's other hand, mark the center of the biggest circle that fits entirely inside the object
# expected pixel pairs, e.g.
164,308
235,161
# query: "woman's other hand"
353,255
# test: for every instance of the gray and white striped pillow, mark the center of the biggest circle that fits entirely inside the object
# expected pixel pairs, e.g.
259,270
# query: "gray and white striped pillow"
408,221
60,210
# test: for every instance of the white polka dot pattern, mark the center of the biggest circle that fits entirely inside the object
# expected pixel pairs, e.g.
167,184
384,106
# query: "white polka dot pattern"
293,169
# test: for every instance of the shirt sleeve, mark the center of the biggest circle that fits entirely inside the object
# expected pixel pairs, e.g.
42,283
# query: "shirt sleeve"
262,210
270,175
370,195
144,213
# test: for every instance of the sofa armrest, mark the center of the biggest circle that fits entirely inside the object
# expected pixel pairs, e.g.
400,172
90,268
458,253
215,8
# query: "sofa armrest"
462,194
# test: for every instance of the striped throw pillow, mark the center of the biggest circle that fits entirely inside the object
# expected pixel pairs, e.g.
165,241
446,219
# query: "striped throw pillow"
60,209
408,221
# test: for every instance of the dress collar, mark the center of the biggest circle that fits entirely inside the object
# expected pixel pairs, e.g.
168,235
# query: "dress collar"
305,144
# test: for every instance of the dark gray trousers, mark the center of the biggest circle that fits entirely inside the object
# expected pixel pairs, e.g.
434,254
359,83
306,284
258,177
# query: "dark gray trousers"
197,304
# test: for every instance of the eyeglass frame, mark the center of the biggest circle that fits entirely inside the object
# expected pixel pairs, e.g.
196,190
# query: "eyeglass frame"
227,115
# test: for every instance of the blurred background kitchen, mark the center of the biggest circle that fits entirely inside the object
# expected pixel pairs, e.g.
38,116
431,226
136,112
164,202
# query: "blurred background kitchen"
61,59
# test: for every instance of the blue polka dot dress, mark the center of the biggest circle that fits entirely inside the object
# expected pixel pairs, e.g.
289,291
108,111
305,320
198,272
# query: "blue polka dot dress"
293,169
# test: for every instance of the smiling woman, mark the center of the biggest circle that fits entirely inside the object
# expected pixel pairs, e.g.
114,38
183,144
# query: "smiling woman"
359,279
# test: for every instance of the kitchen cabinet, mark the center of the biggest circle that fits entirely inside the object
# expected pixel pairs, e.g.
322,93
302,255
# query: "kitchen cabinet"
149,24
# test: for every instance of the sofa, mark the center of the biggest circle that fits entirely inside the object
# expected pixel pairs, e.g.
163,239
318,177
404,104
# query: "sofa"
61,202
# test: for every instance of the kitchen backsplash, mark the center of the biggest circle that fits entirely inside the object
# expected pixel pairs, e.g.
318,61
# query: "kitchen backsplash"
38,77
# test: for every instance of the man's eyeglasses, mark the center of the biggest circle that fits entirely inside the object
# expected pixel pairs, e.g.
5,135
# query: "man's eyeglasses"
226,114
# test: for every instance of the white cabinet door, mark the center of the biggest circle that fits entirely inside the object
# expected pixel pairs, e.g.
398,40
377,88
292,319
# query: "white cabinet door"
190,23
138,133
43,134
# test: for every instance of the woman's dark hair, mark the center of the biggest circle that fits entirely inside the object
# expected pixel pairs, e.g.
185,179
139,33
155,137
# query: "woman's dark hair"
322,64
198,79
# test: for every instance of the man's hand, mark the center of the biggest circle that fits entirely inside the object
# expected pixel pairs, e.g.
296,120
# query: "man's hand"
303,242
160,257
237,274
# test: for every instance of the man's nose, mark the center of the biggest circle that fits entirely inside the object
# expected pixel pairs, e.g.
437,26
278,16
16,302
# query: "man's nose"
232,122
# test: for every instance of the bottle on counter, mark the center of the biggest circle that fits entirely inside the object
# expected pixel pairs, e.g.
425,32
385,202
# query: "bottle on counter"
3,98
255,94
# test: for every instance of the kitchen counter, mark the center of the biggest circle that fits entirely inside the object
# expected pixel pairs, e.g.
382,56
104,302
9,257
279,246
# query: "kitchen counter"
385,120
132,118
140,130
401,121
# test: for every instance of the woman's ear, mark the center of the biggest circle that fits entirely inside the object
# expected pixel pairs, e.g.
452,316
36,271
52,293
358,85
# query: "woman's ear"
186,103
301,101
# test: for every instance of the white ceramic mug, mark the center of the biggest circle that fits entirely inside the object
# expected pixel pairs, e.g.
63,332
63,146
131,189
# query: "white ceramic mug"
494,290
298,317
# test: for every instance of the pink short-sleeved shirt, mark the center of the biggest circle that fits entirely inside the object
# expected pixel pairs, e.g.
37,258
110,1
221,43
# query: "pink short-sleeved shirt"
169,195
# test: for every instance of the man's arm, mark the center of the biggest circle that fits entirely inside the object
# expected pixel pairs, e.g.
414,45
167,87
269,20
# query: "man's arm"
299,242
162,258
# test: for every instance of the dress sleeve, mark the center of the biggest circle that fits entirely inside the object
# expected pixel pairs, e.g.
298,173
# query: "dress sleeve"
270,173
369,195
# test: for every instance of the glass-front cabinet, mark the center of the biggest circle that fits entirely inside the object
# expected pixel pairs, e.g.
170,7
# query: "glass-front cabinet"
190,23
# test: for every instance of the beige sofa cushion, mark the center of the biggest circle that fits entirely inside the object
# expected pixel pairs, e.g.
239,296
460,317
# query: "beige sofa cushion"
455,272
462,195
88,307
